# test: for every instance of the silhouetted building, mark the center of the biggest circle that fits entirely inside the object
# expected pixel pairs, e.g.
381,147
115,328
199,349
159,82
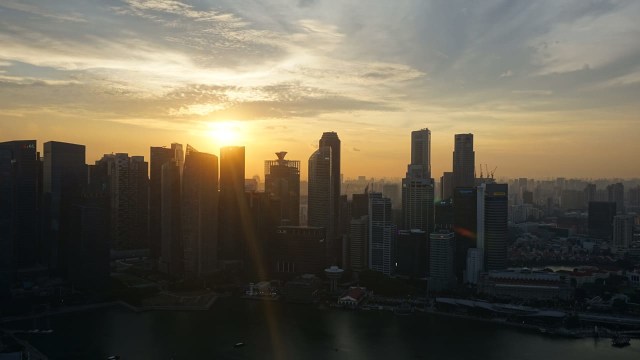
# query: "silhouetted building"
446,186
282,182
442,249
616,194
589,194
412,254
601,215
125,180
19,204
527,197
359,243
299,250
393,192
259,231
421,151
418,186
331,140
496,229
172,251
321,192
463,161
64,175
158,157
444,211
382,234
623,231
634,196
360,205
200,213
465,225
233,205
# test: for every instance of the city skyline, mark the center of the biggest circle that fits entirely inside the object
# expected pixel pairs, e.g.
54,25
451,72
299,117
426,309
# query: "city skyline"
553,85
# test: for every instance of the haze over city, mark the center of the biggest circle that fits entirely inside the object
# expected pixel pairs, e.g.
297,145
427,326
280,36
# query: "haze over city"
548,88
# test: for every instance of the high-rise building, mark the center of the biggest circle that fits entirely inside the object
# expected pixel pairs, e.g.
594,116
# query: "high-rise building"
200,213
446,186
474,265
282,182
178,155
321,190
421,151
330,139
392,191
589,194
298,249
616,194
233,205
418,186
601,214
412,254
442,248
19,203
463,161
465,225
158,157
171,252
382,234
126,181
496,234
444,215
64,176
623,231
634,196
359,243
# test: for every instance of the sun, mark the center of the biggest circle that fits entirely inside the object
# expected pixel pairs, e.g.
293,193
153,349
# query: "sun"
225,133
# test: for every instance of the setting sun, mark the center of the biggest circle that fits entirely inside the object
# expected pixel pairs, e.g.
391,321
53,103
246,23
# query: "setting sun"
225,133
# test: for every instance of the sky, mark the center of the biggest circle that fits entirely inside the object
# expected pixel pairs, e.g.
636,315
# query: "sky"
548,88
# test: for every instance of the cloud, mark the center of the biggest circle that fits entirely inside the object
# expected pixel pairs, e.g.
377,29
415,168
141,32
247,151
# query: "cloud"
507,73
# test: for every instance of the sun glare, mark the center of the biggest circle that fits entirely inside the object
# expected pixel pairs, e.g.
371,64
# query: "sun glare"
225,133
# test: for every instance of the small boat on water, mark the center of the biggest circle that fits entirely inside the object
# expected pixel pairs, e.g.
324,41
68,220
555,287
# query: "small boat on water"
114,357
620,341
238,345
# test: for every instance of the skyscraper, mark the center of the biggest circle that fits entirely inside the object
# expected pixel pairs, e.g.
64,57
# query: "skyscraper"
19,201
616,194
442,249
382,234
418,186
359,243
331,140
282,182
495,226
463,161
421,151
158,157
623,231
233,207
321,190
200,213
126,181
446,186
171,251
465,225
64,176
600,219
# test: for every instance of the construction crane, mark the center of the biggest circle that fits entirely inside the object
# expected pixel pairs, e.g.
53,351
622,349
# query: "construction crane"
493,172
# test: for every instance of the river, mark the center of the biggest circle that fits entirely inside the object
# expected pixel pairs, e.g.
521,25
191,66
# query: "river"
273,330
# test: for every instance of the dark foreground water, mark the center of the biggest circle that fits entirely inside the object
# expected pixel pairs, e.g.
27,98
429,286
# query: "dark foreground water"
284,331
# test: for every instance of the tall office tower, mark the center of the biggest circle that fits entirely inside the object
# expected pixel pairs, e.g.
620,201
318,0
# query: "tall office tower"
474,266
442,248
172,251
421,151
233,206
360,204
418,186
446,186
465,225
158,157
331,140
282,182
616,195
178,155
64,176
359,243
321,192
463,161
7,241
589,194
634,196
600,221
412,255
125,180
382,234
496,211
200,213
623,231
19,203
444,215
392,191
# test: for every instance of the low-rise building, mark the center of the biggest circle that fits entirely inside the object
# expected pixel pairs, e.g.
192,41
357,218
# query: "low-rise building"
353,297
525,284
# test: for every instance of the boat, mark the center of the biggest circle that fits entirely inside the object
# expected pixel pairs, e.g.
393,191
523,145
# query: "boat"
620,341
114,357
238,345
